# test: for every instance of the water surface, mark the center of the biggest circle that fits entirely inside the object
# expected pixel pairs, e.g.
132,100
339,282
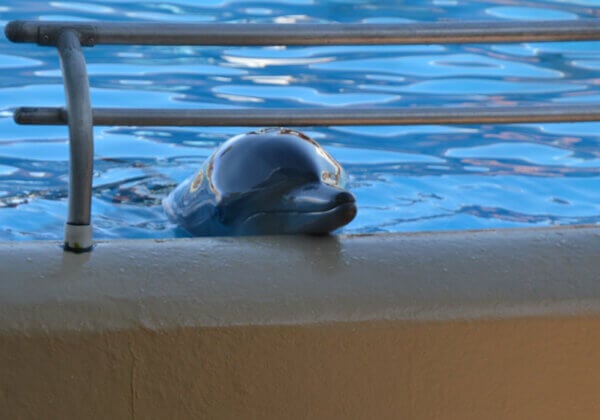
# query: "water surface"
405,178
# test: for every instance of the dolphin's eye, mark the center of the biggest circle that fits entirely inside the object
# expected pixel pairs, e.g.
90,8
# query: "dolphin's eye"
329,178
197,181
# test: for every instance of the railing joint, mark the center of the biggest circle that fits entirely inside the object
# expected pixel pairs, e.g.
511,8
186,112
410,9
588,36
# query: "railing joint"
48,34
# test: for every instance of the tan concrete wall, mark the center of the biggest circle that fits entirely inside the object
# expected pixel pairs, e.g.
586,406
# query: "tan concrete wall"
518,368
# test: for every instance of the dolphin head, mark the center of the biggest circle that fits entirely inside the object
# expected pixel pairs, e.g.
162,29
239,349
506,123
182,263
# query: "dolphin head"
273,181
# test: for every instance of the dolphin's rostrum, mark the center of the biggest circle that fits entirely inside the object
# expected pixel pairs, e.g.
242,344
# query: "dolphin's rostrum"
273,181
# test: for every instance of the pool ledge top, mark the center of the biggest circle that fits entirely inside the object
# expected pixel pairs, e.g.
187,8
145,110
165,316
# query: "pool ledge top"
215,282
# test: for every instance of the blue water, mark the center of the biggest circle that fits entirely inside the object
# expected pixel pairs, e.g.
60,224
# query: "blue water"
405,178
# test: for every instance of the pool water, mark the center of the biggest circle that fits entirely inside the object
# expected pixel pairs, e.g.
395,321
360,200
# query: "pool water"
411,178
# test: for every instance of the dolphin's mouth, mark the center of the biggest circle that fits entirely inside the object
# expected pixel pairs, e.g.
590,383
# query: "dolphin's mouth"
313,209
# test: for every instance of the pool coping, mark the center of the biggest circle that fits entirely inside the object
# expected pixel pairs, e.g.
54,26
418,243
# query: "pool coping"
300,280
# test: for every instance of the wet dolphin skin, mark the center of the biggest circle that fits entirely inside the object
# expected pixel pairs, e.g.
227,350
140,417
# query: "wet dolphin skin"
272,181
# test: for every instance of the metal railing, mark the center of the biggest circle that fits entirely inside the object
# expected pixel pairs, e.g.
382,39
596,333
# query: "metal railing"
69,37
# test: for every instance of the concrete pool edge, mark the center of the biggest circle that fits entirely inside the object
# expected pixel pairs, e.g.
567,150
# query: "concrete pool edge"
215,282
488,324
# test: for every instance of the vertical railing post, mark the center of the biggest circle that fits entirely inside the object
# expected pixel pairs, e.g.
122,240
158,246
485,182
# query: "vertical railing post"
78,229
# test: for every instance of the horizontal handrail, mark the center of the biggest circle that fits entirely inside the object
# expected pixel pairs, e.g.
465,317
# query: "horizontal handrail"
94,33
316,116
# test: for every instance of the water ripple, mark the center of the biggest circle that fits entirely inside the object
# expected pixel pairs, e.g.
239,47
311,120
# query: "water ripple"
299,94
530,13
537,154
447,65
468,87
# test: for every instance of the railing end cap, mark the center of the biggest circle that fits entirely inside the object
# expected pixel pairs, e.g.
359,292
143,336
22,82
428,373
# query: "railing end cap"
20,113
16,31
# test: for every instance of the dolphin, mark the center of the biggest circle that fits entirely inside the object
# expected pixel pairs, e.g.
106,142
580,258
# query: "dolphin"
271,181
